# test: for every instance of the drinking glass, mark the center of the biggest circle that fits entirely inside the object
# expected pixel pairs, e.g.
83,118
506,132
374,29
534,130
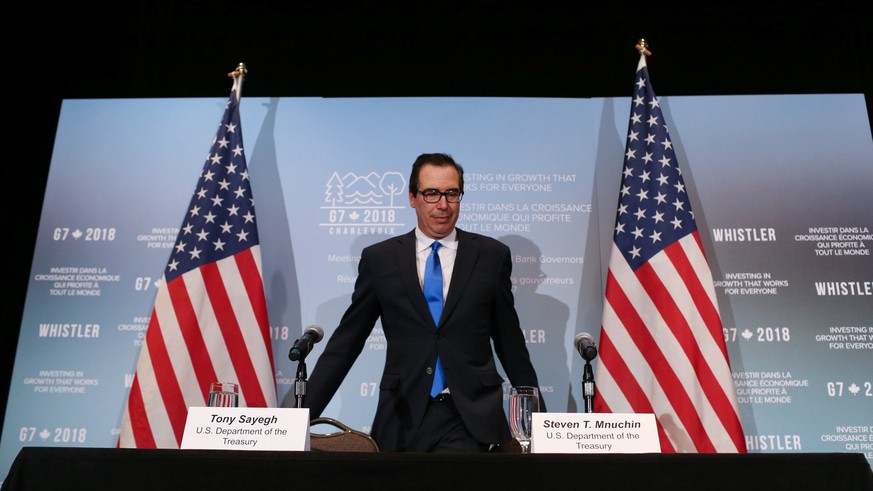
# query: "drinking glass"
523,402
223,394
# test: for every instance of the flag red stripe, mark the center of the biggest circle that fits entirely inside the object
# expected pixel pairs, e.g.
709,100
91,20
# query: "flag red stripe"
609,356
165,377
233,338
629,386
699,243
720,401
702,301
139,420
663,370
648,348
195,344
254,285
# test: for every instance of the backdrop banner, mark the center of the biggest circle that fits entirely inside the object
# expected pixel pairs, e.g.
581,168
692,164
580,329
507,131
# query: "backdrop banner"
780,187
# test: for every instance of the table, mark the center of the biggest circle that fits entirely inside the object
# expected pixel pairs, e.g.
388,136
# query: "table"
54,468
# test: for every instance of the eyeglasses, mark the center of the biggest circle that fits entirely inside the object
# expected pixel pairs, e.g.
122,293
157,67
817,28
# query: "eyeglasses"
434,196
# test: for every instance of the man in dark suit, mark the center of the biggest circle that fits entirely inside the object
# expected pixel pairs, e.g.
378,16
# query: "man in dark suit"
440,389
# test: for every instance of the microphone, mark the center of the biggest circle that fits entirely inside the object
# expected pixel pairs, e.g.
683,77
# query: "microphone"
303,346
585,346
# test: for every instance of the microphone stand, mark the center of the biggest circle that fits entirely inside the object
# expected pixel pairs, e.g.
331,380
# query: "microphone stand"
300,384
588,387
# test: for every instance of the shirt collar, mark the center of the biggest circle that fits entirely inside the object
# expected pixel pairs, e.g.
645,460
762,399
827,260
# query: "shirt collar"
424,242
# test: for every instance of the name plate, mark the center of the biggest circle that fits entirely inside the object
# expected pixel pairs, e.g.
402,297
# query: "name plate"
246,428
594,433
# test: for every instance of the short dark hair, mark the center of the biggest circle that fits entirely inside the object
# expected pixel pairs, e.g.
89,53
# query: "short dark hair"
438,159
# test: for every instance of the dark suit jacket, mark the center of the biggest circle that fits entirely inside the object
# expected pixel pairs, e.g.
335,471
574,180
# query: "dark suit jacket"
479,309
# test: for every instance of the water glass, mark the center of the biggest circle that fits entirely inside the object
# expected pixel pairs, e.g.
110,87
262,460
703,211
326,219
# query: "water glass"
523,402
223,394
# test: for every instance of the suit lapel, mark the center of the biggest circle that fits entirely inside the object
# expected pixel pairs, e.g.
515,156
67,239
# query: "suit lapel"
406,264
468,253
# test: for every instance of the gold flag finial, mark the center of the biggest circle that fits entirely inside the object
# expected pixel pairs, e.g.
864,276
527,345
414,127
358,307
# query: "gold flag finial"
642,47
239,71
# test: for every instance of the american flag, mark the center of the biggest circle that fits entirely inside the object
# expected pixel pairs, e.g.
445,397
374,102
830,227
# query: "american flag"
662,347
209,322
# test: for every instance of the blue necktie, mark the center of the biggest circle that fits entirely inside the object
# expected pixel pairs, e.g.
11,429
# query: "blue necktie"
433,293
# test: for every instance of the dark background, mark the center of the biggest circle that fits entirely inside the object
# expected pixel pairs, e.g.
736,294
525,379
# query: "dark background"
333,48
